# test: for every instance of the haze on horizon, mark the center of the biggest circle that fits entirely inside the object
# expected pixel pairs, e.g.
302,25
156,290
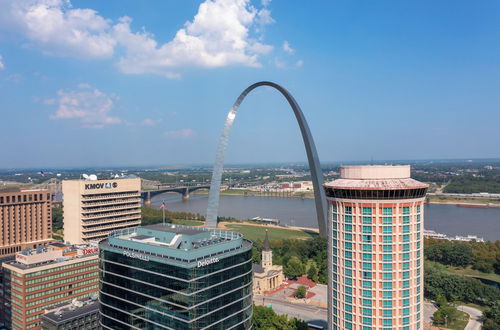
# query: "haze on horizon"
152,85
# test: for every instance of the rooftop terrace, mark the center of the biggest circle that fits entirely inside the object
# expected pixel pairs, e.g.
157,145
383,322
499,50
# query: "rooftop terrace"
176,243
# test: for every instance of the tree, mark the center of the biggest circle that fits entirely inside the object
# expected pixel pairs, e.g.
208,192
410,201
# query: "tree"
301,292
294,268
265,318
312,273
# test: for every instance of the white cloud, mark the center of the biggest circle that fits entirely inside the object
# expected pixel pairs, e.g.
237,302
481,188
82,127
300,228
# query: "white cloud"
217,36
87,104
299,63
181,133
57,29
287,48
2,66
150,122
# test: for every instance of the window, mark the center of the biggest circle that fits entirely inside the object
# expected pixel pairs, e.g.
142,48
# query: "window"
387,211
367,257
406,265
348,255
406,247
348,237
387,258
367,238
387,229
348,290
406,256
406,311
367,248
406,238
367,220
406,284
387,294
367,303
386,239
367,320
348,263
348,299
406,210
367,293
387,285
367,266
387,267
367,285
387,248
348,281
348,308
348,272
406,219
387,322
406,275
387,303
387,312
348,246
387,220
367,275
418,208
387,276
348,228
406,229
406,293
348,210
367,229
367,211
348,316
348,219
405,302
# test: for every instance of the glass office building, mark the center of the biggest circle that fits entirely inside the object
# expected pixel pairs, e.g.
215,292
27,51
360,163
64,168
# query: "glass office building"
376,221
175,277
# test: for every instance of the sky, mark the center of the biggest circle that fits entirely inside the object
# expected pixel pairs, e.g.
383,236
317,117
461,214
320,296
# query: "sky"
139,83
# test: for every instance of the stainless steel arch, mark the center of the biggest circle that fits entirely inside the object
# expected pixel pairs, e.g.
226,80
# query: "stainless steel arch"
312,157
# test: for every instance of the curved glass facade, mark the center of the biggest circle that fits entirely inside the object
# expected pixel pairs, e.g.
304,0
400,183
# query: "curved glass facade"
154,293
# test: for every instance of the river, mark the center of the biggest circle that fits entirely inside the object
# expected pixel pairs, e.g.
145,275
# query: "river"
447,219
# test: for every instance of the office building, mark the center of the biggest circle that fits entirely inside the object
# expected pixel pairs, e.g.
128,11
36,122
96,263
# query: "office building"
376,221
42,278
266,276
25,220
176,277
78,315
94,208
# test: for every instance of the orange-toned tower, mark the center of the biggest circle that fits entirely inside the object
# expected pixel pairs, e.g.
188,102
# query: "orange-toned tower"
375,241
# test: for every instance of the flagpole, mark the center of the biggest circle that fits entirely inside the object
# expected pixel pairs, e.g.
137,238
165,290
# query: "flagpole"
163,209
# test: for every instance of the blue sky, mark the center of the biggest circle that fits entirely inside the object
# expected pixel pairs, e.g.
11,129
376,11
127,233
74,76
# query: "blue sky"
98,83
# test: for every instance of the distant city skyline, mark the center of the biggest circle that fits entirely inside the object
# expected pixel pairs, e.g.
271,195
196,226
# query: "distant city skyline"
117,83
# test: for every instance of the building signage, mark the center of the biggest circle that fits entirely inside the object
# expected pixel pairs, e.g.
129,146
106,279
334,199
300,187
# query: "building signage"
136,255
101,185
206,262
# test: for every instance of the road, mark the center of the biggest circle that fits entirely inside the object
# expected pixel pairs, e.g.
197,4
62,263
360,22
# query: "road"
475,314
301,311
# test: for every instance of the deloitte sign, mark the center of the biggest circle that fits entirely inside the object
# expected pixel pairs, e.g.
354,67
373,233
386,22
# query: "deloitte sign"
206,262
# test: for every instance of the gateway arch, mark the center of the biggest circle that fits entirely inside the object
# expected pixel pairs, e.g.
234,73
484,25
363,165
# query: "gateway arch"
312,157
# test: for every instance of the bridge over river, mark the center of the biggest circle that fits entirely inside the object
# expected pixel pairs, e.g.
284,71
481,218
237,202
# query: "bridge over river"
184,190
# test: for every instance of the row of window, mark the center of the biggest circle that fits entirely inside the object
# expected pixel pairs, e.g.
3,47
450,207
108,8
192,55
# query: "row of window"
60,268
23,198
387,248
384,239
369,210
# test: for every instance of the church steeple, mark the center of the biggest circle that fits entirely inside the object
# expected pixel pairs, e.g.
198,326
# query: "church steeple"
266,243
267,254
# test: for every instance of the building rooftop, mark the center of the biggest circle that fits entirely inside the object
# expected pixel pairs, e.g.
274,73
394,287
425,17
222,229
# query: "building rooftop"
174,243
67,312
375,177
53,253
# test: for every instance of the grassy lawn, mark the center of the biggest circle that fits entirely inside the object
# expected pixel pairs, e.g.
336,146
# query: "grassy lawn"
187,222
472,272
256,233
237,192
463,200
460,322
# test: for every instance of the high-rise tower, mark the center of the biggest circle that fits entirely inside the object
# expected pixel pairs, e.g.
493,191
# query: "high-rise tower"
375,234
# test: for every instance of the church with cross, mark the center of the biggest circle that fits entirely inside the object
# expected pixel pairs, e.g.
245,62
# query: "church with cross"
266,276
